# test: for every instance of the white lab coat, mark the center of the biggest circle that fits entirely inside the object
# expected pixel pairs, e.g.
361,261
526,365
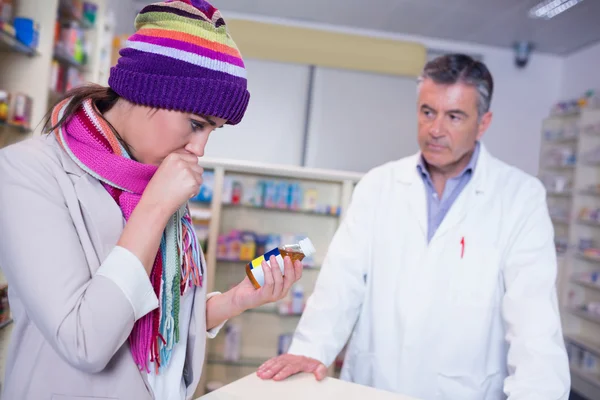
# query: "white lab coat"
439,320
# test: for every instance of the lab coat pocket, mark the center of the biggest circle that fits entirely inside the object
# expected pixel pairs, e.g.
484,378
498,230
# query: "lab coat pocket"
474,277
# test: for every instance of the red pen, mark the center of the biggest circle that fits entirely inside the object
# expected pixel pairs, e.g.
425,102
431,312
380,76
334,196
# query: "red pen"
462,247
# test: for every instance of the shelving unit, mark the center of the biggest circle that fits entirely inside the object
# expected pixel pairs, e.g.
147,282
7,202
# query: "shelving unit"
557,171
28,71
6,323
575,209
260,328
9,44
69,61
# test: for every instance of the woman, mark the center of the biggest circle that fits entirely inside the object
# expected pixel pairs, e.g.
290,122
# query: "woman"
106,278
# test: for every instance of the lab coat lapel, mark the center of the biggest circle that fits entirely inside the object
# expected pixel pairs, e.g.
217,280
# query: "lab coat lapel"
469,198
414,190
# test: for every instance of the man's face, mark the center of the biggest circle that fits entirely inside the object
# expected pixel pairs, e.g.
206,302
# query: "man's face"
448,123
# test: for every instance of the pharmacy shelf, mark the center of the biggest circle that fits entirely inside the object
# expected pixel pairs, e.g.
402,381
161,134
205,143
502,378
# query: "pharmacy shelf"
274,312
586,284
560,167
281,210
242,362
585,315
6,323
584,343
68,60
559,194
595,224
593,164
559,141
19,128
589,377
10,44
560,221
593,193
66,17
593,259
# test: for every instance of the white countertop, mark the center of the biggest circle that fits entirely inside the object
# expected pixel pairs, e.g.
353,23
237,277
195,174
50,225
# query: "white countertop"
299,387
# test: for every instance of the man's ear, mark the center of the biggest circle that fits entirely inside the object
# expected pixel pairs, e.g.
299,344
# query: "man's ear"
484,124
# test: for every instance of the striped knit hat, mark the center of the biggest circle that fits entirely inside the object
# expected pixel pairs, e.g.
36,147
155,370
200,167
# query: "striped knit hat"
183,58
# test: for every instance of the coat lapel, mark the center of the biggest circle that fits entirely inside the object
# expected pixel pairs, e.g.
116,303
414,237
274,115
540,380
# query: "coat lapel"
100,221
408,175
414,190
469,199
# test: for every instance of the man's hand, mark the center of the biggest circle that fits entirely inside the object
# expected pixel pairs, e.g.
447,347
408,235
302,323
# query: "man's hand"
286,365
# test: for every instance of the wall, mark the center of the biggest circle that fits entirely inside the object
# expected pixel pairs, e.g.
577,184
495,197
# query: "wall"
359,120
580,72
272,130
125,11
521,100
522,97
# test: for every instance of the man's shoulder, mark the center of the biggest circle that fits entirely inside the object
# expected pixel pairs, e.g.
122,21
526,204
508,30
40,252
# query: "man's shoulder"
392,168
508,180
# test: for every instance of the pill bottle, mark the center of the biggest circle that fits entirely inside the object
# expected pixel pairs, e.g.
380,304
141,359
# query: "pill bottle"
296,252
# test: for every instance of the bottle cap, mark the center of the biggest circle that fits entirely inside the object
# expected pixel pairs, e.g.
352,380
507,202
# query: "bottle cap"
307,247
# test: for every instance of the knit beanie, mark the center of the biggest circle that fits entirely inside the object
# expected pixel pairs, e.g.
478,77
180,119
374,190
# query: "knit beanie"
182,58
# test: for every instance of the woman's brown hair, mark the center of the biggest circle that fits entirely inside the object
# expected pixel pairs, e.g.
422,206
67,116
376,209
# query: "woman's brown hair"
103,97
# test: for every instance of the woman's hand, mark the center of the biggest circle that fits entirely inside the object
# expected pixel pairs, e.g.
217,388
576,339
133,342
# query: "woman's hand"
276,286
245,296
176,181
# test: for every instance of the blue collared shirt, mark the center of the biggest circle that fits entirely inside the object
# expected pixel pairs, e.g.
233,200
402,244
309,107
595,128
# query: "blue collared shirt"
438,208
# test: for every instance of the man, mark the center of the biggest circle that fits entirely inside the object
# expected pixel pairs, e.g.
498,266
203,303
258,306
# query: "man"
444,269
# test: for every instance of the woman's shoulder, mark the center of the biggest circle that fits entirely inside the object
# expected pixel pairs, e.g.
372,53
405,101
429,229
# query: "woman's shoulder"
37,156
42,149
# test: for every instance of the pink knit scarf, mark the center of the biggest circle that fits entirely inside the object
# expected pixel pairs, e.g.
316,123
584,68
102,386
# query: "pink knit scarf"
91,143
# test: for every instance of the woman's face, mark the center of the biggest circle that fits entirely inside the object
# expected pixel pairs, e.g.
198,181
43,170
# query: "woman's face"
153,134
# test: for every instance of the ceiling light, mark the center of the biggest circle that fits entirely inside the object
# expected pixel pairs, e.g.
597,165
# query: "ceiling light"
551,8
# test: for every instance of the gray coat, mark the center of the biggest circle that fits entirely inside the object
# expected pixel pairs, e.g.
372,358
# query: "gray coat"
57,225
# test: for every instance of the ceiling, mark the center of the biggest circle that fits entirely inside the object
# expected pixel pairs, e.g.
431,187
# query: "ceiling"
487,22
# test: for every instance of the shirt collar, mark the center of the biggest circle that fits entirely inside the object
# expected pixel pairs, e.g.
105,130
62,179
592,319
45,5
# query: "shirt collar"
422,168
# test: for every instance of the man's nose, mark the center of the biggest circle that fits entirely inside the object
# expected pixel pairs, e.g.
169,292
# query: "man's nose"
435,129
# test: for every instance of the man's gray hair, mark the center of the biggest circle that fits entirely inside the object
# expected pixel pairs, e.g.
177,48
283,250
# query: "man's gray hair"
459,68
